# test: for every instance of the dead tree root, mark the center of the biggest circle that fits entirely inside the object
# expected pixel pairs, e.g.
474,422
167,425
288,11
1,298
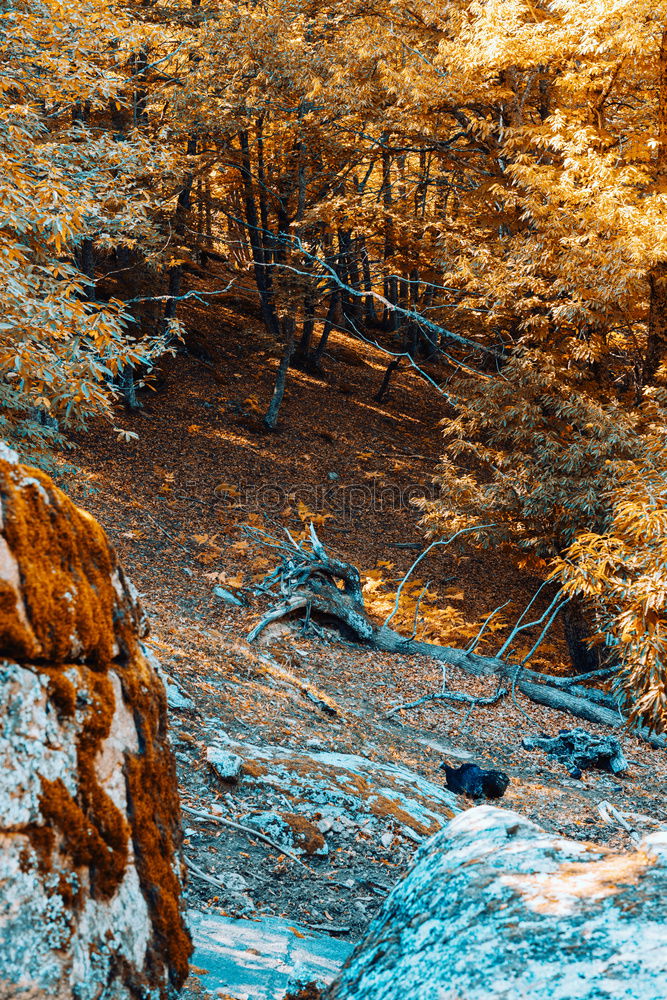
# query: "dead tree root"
309,579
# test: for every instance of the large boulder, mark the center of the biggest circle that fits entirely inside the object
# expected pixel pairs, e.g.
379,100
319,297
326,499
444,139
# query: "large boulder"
89,812
494,907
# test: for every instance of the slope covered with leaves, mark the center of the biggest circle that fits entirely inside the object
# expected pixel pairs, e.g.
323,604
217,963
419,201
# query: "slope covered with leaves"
174,501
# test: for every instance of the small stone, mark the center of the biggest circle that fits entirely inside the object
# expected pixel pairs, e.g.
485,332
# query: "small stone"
175,696
240,904
324,825
229,598
274,826
387,839
333,476
233,882
227,765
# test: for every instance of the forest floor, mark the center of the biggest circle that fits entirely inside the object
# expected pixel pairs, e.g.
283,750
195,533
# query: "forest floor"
174,503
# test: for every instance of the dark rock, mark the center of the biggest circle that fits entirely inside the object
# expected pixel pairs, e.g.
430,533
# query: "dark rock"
579,751
476,782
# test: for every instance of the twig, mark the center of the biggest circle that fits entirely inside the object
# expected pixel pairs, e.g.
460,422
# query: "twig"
609,811
569,681
449,696
538,621
540,639
331,928
212,818
419,600
165,532
475,527
475,643
515,702
508,642
191,866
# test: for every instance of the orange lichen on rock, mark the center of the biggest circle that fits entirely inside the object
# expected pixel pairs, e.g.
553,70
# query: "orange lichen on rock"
68,614
306,834
65,565
94,832
155,815
254,770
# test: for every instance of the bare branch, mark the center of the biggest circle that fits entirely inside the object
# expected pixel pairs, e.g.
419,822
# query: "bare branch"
467,699
448,541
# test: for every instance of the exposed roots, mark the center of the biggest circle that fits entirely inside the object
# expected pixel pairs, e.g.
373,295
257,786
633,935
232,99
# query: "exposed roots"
308,579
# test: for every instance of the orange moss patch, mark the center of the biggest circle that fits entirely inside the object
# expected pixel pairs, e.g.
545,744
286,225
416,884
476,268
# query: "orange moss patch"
94,832
104,852
61,691
65,565
384,807
310,991
306,834
155,815
254,770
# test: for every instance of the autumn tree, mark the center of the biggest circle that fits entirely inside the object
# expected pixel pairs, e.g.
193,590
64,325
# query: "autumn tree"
568,282
71,188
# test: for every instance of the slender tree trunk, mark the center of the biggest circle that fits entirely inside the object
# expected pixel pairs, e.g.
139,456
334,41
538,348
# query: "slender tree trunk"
303,349
370,315
271,417
176,272
261,266
140,96
265,234
577,630
384,388
332,313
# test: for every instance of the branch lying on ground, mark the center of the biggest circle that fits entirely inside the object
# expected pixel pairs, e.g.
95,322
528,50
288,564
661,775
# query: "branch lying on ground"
609,813
307,577
255,834
449,696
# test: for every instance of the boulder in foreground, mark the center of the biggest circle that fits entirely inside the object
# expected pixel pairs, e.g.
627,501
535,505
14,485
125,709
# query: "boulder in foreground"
494,907
90,833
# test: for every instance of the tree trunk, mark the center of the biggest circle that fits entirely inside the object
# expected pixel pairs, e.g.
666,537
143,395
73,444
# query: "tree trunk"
329,323
384,388
577,630
271,418
262,268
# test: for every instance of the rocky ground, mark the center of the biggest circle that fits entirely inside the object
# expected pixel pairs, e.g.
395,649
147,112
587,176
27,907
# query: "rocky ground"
288,737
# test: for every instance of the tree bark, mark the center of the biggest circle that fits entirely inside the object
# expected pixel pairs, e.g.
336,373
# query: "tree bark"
271,417
261,265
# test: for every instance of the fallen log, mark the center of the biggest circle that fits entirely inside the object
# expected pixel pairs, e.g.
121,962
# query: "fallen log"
310,580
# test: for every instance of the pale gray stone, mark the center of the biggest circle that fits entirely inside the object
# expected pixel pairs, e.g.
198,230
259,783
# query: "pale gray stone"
227,765
494,908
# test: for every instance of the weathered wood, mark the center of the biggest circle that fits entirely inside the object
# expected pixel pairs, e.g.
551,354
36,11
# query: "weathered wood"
308,579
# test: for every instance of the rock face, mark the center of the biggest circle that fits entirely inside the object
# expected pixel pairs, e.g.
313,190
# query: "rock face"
89,810
494,907
328,788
